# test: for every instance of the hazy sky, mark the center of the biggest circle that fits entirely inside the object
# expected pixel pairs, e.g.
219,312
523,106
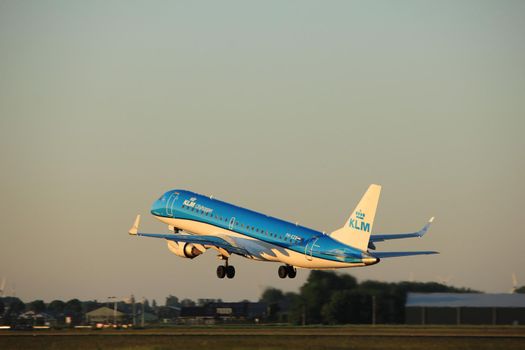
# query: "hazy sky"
291,108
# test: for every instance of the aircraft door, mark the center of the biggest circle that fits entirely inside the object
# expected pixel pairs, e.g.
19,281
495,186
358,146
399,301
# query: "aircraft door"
309,247
170,203
232,223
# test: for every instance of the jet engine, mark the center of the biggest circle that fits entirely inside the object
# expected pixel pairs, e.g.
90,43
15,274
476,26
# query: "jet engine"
185,250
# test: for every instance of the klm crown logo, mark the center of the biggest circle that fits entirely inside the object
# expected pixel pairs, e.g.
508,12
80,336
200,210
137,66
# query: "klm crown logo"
358,223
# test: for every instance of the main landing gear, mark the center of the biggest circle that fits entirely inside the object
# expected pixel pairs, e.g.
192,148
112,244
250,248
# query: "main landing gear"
225,270
287,271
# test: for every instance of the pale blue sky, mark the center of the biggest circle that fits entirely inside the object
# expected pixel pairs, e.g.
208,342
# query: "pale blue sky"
291,108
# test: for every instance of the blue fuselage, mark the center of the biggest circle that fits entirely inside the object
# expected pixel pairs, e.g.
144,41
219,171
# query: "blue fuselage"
186,205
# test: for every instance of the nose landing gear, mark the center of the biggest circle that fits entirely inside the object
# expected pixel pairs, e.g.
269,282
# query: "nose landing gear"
286,271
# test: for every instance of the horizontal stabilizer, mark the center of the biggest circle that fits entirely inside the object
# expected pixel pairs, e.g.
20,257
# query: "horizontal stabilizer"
385,237
382,255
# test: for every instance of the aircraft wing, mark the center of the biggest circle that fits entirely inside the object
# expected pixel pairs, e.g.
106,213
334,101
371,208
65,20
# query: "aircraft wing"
382,255
384,237
197,239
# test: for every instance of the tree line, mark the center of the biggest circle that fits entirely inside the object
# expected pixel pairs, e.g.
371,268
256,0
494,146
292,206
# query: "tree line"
12,307
325,298
331,298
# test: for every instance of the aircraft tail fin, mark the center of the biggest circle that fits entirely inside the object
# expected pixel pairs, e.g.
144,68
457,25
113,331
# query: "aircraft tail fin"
357,229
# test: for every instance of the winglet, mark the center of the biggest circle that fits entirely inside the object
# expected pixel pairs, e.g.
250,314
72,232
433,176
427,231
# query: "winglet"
135,228
424,230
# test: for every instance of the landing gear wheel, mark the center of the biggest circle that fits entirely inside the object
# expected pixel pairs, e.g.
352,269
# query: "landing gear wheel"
283,271
221,271
230,271
292,272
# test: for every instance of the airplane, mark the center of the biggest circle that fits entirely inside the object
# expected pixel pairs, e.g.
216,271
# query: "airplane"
198,223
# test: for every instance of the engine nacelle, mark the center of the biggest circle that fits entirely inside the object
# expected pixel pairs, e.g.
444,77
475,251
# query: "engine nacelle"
184,250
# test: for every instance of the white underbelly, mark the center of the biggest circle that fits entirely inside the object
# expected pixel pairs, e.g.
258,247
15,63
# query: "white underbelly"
259,250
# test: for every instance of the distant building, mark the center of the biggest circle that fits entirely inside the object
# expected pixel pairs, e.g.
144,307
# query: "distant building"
223,313
31,319
148,318
168,314
106,315
465,308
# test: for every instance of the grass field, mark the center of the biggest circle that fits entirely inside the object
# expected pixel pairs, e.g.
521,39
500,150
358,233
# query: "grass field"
272,338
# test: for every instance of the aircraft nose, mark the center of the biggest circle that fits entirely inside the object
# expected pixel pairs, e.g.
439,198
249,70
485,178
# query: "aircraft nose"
156,207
